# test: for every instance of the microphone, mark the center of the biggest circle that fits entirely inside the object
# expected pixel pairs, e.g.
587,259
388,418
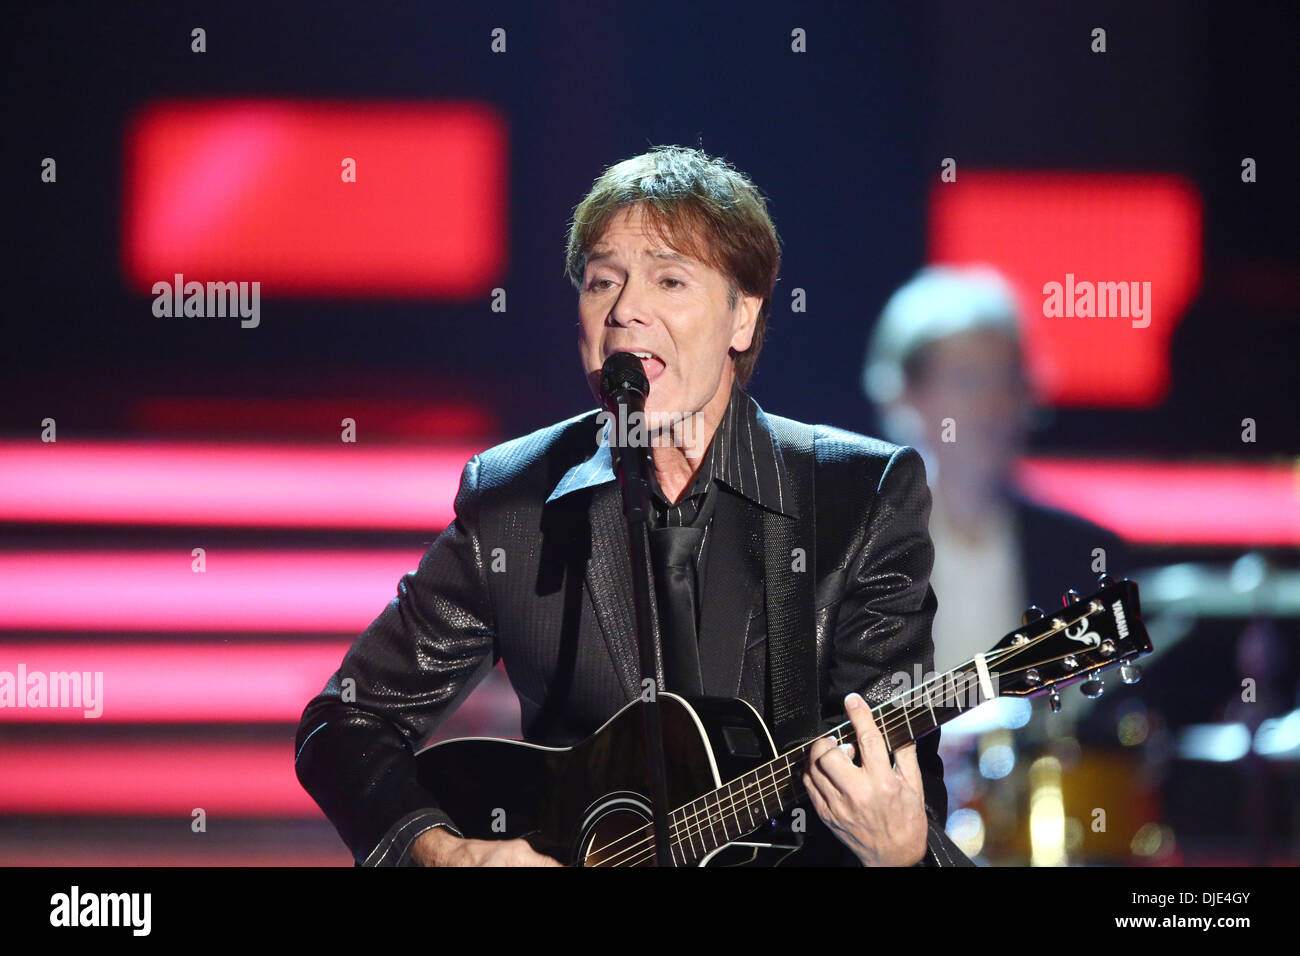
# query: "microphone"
623,391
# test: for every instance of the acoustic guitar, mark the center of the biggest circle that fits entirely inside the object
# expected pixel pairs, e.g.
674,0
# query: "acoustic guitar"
735,800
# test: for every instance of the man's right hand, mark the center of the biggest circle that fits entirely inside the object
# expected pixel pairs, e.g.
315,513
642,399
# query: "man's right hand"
441,847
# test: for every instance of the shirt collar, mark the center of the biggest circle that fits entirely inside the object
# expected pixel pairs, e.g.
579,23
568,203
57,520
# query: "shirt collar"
745,457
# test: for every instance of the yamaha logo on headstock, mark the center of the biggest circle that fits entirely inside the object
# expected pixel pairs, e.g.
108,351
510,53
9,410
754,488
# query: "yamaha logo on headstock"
1121,625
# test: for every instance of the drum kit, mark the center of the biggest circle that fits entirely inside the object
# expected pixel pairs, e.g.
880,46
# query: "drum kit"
1088,782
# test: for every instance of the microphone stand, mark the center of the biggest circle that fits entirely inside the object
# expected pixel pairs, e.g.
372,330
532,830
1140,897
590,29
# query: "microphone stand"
632,465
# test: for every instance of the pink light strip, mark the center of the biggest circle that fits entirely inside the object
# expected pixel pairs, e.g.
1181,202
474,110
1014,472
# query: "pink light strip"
337,592
413,488
310,486
164,779
172,683
102,855
1173,503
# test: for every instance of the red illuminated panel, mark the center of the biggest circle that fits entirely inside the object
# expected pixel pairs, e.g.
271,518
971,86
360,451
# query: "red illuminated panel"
209,682
387,418
175,683
241,591
1098,228
1163,503
164,779
341,486
252,190
97,854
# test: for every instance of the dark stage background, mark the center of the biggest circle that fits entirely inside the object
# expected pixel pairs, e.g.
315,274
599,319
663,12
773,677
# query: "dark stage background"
172,432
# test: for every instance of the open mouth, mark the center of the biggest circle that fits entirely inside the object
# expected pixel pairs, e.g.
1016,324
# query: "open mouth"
651,364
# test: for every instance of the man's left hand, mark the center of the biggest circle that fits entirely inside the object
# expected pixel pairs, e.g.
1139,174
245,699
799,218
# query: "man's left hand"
876,810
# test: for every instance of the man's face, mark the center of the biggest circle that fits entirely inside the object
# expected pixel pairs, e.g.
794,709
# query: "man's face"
640,296
976,379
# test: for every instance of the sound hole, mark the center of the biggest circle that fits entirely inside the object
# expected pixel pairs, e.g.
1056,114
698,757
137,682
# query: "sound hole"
619,838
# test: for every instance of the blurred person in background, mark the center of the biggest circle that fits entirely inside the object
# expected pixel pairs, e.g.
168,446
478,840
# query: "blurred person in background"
946,374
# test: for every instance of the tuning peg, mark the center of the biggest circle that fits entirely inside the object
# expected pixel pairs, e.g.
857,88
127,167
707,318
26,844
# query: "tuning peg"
1092,688
1032,614
1106,581
1054,699
1130,673
1069,597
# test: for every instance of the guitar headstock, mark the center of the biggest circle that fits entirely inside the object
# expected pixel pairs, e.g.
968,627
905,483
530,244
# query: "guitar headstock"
1085,636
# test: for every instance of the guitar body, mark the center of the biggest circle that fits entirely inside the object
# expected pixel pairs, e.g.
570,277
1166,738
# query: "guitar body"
582,804
590,805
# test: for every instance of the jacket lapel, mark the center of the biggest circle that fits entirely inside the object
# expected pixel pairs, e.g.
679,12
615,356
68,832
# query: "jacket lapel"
609,583
795,655
608,576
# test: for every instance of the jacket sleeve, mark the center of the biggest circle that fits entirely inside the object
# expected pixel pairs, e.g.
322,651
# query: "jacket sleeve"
355,746
882,633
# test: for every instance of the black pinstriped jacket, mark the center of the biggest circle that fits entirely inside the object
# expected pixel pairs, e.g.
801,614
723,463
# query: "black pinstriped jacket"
545,513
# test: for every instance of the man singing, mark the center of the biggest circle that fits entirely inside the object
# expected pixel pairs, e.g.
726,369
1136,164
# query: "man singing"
675,259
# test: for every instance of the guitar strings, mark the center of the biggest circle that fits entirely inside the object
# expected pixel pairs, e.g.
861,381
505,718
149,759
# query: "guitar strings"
785,775
778,777
690,818
691,821
695,822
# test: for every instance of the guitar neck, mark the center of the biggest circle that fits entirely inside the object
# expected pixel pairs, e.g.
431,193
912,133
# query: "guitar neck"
743,804
1085,636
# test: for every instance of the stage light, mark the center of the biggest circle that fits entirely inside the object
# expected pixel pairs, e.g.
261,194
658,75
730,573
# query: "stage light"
1046,813
318,198
1219,743
1279,736
966,828
152,681
205,484
1186,503
152,778
1099,230
241,591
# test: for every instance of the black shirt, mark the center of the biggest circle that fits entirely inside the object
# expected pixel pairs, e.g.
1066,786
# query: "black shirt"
679,536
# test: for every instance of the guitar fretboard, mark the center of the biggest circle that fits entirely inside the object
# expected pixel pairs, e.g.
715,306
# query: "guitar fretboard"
742,805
